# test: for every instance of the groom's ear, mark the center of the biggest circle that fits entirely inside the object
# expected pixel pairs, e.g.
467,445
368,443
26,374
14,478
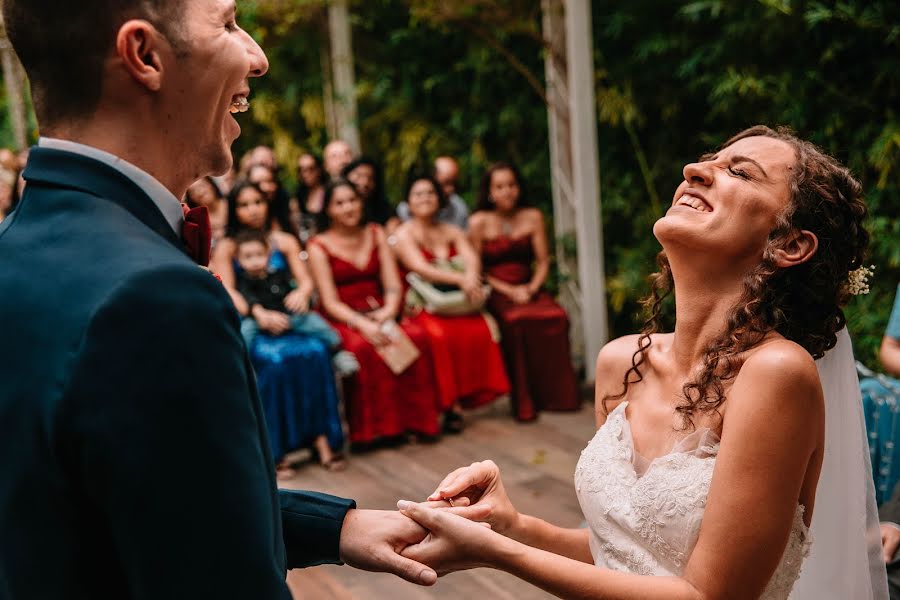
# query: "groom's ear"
138,45
798,248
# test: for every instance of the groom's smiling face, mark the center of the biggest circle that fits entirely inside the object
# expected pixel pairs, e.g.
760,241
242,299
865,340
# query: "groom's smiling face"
209,80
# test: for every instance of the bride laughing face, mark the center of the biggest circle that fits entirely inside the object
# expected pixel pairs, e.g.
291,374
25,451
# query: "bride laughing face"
729,203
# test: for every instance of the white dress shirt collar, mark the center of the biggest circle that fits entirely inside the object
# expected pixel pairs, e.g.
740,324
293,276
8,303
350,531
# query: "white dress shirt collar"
168,204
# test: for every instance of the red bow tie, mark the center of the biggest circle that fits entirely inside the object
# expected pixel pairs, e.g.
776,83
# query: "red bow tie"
197,234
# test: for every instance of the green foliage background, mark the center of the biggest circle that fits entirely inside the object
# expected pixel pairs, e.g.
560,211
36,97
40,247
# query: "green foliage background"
674,79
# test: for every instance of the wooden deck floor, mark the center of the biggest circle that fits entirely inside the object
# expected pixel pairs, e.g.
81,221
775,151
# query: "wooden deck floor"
537,460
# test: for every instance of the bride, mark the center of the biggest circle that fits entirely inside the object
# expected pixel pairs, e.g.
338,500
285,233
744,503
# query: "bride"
701,480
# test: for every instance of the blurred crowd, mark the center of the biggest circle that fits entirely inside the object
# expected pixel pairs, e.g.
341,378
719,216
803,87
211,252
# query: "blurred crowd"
380,321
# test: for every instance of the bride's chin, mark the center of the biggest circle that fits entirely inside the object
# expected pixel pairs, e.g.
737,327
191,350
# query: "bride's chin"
665,230
675,237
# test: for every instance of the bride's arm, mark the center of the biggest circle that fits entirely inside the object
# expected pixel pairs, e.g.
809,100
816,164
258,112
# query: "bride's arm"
771,444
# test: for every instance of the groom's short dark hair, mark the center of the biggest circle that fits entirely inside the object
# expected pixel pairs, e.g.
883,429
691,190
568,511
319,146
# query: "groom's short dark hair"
62,44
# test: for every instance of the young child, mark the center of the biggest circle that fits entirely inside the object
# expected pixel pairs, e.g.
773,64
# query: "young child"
267,289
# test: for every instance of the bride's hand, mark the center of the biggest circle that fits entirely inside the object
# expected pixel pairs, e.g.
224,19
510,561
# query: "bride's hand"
453,543
481,486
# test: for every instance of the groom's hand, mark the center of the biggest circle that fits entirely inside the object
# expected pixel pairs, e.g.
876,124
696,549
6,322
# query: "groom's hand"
372,540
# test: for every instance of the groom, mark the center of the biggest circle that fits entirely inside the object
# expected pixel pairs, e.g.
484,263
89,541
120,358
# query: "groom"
133,455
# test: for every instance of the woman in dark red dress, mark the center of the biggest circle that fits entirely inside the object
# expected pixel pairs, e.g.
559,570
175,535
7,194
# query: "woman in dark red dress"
468,360
360,292
512,242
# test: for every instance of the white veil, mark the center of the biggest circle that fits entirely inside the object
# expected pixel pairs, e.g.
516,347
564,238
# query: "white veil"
845,560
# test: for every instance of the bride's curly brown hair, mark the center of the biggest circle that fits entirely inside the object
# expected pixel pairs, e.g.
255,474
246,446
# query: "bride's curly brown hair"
802,303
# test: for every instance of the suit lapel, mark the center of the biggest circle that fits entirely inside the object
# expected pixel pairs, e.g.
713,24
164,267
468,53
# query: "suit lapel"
62,169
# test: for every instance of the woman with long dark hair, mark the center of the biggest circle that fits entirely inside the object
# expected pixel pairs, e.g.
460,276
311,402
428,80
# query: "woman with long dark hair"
512,241
367,176
310,196
294,373
468,359
360,293
267,180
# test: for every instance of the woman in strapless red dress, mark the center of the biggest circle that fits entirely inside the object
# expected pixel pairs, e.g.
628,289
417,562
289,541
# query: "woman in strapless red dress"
512,242
360,291
468,361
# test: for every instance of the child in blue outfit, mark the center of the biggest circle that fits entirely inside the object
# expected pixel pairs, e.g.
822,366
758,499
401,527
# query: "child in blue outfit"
266,289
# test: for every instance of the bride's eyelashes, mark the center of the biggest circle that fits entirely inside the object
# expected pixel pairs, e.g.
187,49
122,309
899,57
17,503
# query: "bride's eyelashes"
739,173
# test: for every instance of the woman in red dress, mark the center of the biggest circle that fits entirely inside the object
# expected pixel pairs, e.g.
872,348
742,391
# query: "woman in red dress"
512,242
360,293
468,360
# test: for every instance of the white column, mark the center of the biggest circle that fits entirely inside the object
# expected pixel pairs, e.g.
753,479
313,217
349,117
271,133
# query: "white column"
555,74
344,79
586,178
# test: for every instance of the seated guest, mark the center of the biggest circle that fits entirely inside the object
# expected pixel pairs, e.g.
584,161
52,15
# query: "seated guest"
265,289
890,343
469,362
294,374
365,174
205,192
455,211
310,196
512,242
880,397
360,293
279,203
337,155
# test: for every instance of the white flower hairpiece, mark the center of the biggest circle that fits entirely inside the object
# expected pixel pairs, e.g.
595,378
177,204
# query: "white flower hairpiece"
858,280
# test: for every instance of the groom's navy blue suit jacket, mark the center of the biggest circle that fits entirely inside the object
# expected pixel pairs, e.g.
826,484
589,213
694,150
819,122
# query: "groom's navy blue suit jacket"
133,454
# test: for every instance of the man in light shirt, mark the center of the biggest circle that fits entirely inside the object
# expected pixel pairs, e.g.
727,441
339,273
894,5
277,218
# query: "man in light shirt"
446,172
135,460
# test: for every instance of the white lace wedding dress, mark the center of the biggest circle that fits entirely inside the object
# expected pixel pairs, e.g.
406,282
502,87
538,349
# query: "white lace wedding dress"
644,516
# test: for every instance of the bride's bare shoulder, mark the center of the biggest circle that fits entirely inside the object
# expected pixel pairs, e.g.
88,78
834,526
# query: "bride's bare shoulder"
613,361
778,378
616,355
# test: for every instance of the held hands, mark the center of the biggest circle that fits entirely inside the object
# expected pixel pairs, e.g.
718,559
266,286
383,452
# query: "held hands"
453,543
459,517
375,540
449,532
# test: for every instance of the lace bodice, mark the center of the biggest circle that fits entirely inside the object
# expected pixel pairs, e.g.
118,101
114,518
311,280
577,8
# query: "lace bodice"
644,516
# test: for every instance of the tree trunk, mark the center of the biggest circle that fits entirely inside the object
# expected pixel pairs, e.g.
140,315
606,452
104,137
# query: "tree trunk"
13,78
344,80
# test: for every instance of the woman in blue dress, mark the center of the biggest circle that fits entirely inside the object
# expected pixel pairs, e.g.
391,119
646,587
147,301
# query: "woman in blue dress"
293,371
